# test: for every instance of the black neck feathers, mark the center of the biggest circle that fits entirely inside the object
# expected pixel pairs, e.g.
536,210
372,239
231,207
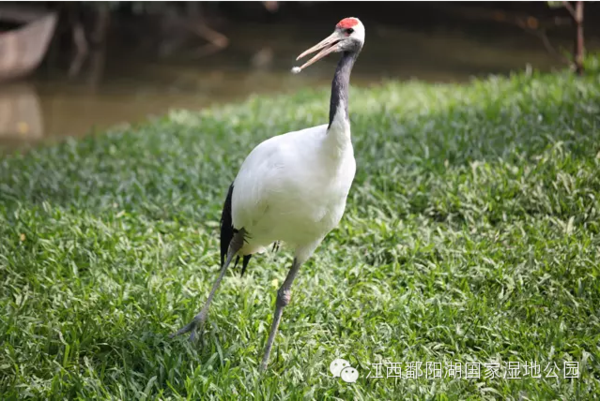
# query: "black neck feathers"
340,85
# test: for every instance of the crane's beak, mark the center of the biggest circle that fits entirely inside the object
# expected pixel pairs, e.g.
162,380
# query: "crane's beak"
327,46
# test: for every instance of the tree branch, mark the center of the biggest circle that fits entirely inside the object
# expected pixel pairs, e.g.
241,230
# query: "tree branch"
570,9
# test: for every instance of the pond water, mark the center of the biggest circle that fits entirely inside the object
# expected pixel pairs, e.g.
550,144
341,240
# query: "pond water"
134,85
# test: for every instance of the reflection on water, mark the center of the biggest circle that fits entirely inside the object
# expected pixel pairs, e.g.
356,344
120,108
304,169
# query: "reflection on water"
133,87
20,114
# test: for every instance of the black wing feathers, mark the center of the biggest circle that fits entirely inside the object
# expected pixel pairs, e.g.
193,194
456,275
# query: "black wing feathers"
245,264
227,230
227,233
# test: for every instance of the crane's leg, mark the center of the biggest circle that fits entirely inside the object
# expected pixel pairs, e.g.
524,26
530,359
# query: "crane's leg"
284,295
198,321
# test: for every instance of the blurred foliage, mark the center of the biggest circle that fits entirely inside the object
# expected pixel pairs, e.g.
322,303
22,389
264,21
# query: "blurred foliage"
591,63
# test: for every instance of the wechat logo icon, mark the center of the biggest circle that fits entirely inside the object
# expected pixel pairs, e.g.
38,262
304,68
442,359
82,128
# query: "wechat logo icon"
341,368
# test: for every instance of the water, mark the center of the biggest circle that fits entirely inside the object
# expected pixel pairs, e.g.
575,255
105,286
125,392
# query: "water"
135,85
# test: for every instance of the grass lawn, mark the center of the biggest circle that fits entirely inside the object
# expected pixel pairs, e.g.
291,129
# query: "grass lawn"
471,235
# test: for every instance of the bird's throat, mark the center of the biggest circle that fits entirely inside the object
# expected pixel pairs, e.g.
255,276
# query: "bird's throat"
338,106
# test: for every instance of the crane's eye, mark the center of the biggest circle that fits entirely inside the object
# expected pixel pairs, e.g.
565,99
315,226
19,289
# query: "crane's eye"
349,31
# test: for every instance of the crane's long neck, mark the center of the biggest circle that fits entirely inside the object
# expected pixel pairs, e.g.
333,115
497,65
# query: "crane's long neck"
338,106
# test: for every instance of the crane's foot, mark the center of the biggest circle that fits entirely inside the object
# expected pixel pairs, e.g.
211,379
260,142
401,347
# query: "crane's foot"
193,327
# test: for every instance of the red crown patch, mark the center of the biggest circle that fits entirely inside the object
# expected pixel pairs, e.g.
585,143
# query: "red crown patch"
347,23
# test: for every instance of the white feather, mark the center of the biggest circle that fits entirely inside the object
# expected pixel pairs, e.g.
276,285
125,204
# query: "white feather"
293,187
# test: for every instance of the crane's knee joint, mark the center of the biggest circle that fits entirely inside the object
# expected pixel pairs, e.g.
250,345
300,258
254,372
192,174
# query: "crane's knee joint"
284,296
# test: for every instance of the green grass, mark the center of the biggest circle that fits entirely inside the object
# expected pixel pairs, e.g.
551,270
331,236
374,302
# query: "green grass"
471,234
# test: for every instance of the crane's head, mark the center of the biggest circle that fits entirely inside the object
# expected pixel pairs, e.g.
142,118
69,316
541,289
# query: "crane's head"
348,36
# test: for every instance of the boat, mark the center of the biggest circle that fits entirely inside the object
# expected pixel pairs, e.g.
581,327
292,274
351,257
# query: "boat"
23,48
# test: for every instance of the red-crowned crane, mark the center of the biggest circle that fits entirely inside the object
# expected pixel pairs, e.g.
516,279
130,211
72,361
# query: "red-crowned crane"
293,187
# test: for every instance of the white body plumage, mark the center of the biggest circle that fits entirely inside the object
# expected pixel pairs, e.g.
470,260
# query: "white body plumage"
293,187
